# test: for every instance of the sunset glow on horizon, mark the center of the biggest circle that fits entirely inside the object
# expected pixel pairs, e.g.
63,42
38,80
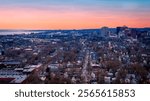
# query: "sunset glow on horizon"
75,14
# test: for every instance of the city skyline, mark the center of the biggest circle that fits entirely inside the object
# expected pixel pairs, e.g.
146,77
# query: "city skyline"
74,14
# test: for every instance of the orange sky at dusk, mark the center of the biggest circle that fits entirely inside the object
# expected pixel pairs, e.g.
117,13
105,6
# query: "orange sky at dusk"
24,18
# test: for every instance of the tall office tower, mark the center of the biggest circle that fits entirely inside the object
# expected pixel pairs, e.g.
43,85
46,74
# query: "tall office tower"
104,31
119,29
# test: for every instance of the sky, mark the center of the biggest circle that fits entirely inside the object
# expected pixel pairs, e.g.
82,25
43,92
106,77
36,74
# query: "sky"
73,14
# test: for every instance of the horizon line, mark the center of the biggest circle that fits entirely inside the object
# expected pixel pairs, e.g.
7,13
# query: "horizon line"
25,29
